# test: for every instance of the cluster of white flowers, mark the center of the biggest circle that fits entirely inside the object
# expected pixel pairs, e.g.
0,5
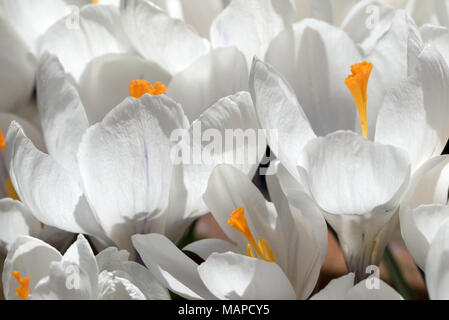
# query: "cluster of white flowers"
98,98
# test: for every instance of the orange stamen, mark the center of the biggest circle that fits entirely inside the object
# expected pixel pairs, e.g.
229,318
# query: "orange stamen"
138,88
24,285
262,249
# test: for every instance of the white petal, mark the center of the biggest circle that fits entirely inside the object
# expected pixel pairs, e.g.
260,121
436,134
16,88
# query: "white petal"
114,287
62,113
438,37
234,276
81,254
144,280
305,234
374,175
274,99
220,73
32,18
235,113
414,115
30,129
31,257
442,11
17,69
200,14
51,194
419,229
437,277
250,25
361,292
95,31
336,289
15,220
205,247
111,259
125,164
105,81
160,38
315,58
171,266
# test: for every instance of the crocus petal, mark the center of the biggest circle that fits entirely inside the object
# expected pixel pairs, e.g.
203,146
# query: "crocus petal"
15,220
442,11
274,98
31,257
113,287
62,113
96,31
438,37
30,129
205,247
315,58
305,233
234,276
233,112
144,280
200,14
419,229
171,266
374,175
136,135
105,81
414,115
32,18
437,278
336,288
66,281
112,259
51,194
361,291
220,73
160,38
81,254
229,189
17,71
250,25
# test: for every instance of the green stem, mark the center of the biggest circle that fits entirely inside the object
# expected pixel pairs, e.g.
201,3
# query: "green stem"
396,276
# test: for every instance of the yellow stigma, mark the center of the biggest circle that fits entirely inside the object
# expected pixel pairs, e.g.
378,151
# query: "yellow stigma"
23,291
11,191
95,1
138,88
262,248
357,84
2,141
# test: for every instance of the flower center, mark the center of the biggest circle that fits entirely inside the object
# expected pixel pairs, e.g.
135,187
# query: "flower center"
138,88
357,84
8,183
23,291
95,1
262,248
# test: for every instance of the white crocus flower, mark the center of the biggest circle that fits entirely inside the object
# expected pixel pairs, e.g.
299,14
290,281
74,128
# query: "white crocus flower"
343,288
361,199
286,243
35,270
116,177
